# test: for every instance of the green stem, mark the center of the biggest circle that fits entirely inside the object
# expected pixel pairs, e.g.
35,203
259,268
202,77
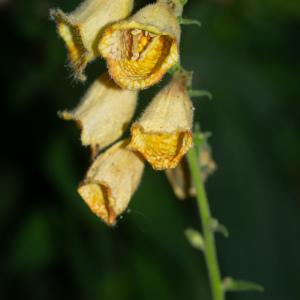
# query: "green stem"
208,233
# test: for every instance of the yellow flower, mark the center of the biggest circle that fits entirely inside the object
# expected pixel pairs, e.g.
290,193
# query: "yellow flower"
81,29
140,50
164,132
111,181
104,113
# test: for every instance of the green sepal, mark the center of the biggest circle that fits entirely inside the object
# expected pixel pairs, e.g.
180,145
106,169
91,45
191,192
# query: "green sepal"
184,21
200,93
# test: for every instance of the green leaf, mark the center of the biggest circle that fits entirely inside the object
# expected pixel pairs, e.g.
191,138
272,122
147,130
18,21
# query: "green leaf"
232,285
184,21
195,238
200,93
218,227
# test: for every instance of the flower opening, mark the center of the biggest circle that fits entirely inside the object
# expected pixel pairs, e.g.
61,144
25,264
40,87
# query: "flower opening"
82,28
111,181
140,50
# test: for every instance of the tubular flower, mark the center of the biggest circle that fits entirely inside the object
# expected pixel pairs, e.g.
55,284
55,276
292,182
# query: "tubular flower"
111,181
104,113
81,29
164,132
140,50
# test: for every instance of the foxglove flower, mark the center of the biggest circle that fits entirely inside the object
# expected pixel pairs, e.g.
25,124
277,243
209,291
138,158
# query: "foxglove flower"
82,28
140,50
111,181
164,132
104,113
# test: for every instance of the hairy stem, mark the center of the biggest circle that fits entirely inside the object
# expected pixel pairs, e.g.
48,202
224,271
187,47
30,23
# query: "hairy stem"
208,232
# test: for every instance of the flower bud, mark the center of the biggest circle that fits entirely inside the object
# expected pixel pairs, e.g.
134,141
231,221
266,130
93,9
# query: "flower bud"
180,177
164,132
140,50
81,29
104,113
180,180
111,181
206,162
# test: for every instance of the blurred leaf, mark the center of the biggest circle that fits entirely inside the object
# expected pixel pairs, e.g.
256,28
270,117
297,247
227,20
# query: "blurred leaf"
32,247
232,285
184,21
217,227
184,2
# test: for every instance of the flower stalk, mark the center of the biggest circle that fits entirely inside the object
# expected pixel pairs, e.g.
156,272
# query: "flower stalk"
209,247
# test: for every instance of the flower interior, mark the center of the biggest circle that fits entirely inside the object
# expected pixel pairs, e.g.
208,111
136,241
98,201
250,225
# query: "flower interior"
138,58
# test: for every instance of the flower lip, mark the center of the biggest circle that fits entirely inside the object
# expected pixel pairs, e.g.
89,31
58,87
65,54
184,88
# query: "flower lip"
71,34
97,196
162,150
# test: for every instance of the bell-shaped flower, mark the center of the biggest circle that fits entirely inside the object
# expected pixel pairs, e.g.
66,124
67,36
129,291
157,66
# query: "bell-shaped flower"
163,134
104,113
141,49
111,181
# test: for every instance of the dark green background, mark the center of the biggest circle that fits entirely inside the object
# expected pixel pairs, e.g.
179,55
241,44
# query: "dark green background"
52,247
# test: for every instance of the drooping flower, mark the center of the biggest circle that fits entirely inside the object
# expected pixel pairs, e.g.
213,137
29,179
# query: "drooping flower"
111,181
140,50
104,113
82,28
163,134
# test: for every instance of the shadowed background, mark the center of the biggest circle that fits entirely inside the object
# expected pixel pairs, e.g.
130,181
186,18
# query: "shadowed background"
52,247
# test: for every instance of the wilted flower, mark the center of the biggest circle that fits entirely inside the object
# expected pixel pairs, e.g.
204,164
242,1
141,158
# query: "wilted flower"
140,50
81,29
111,181
164,132
104,113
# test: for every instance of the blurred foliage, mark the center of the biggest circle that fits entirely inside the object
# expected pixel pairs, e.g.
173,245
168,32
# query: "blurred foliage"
52,247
